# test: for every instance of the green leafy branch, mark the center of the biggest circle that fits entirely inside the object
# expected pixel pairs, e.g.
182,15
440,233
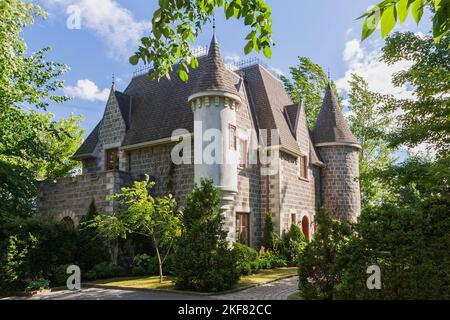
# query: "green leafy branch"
389,12
176,23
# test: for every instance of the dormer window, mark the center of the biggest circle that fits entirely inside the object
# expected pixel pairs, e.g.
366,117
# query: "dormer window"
112,159
302,163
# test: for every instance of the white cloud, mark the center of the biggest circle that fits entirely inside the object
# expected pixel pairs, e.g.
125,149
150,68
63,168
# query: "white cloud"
87,90
116,25
367,64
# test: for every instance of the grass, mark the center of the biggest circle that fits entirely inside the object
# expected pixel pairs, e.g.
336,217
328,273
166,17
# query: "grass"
259,278
295,296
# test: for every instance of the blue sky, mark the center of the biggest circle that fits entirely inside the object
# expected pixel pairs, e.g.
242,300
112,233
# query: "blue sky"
324,30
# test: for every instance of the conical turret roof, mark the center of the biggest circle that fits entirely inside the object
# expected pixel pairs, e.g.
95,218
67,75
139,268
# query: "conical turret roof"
214,75
331,126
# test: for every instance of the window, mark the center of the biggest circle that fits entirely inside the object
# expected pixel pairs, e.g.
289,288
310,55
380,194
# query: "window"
303,167
243,154
232,137
293,218
243,228
112,159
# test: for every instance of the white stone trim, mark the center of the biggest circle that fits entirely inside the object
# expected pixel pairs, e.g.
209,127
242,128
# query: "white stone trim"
215,93
156,142
346,144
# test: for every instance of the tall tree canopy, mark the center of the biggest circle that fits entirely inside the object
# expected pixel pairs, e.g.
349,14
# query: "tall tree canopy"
425,117
176,23
32,145
308,84
368,123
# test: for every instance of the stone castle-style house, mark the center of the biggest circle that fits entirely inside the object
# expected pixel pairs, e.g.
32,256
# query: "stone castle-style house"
142,127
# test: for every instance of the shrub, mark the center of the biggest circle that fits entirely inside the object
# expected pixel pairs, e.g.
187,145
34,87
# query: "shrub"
106,270
37,285
318,274
91,275
294,242
270,239
142,265
60,274
203,261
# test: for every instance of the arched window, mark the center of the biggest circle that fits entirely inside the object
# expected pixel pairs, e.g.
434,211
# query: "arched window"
68,221
305,227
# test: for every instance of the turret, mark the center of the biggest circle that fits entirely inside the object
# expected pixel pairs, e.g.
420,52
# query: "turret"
339,150
214,101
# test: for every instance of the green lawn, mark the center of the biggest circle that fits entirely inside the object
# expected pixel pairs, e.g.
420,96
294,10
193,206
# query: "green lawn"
153,282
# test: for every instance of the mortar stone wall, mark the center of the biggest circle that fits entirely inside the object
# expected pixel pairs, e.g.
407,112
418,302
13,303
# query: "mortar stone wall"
157,163
71,196
340,189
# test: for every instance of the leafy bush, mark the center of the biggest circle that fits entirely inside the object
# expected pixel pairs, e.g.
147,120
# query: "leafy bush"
60,274
294,242
203,261
270,240
37,285
245,256
107,270
141,265
409,245
91,275
318,274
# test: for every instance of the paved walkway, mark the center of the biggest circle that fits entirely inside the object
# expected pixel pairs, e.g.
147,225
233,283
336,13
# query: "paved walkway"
278,290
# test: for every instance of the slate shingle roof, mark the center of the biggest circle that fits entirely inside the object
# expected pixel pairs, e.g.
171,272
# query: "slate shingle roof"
215,76
153,109
331,125
88,146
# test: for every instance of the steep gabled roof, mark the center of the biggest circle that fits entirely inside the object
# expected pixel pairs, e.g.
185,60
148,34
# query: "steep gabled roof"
124,102
269,98
331,126
88,147
214,75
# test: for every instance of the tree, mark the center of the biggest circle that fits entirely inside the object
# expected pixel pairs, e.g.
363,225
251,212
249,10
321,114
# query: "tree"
32,145
176,23
318,272
369,124
270,239
203,259
387,12
154,218
308,84
424,118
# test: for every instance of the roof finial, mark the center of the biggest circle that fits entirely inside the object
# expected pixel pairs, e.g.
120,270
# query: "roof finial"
329,75
214,24
113,81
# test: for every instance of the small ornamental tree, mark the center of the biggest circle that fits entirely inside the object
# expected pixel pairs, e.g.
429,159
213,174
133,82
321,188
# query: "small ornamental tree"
270,239
154,218
203,260
294,242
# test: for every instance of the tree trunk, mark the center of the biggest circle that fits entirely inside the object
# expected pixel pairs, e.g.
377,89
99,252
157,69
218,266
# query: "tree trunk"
159,265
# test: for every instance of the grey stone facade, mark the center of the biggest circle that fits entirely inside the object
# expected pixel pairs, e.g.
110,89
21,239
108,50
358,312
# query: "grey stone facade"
140,122
340,187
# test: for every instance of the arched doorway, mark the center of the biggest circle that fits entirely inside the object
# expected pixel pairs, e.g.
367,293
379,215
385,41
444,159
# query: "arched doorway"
68,222
305,227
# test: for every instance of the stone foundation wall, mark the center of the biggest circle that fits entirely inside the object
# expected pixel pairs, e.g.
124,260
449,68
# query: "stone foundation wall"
71,196
339,185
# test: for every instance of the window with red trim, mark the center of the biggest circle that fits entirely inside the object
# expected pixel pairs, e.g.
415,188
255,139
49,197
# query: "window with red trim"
243,154
302,167
243,228
232,137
